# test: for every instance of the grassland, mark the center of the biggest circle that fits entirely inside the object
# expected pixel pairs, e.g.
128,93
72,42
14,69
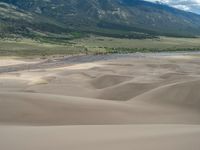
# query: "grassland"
95,45
27,47
156,44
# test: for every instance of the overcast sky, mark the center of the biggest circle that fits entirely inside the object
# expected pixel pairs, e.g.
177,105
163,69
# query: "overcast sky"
188,5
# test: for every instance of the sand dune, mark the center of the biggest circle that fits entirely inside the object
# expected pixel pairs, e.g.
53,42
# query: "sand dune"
114,137
141,101
46,109
125,91
41,109
108,80
183,94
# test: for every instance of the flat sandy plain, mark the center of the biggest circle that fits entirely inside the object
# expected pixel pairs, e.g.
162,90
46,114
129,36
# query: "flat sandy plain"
111,102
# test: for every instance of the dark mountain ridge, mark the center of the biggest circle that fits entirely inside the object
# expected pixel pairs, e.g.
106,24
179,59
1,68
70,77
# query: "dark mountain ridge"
111,17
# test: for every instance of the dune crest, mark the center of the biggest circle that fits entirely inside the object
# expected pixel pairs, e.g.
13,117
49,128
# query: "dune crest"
106,81
182,94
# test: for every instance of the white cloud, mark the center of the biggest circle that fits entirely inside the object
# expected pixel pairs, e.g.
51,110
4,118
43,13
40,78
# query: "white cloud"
187,5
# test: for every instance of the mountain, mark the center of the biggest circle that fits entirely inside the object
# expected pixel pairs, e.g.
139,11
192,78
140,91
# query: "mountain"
130,18
16,22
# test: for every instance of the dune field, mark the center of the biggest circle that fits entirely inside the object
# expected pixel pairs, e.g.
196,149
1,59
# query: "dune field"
112,102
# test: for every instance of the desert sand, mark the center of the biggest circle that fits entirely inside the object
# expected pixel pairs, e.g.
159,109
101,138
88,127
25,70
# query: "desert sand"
112,102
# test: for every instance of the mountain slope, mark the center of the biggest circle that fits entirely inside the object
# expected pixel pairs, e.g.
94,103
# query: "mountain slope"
18,22
99,16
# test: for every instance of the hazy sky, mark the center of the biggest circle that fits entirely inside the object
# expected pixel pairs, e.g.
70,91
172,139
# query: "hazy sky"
188,5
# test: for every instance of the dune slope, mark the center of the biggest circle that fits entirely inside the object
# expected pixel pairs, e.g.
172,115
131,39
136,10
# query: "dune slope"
184,94
126,137
140,101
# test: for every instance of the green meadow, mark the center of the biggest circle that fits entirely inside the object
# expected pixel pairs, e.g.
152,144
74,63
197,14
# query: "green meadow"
95,45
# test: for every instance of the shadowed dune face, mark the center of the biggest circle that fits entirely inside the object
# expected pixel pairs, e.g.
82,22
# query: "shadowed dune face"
183,94
106,81
157,96
125,91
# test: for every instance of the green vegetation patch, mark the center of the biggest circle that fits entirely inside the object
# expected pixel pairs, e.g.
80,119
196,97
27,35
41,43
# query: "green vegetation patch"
93,45
26,47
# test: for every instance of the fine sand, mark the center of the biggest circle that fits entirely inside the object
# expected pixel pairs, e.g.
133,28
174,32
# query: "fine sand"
112,102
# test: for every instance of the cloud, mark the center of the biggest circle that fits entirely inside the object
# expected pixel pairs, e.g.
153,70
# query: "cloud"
187,5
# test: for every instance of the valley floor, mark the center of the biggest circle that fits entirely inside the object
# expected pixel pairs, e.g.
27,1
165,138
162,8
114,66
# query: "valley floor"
105,102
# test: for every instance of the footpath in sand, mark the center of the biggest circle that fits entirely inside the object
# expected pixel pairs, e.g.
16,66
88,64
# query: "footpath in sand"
139,101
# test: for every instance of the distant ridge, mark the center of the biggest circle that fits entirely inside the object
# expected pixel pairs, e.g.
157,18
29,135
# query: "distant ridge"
118,18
